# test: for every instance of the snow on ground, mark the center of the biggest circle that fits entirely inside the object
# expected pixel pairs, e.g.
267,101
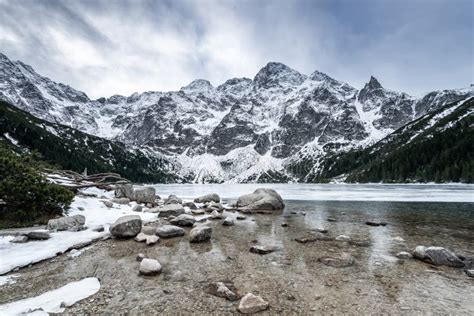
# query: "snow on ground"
11,139
53,301
8,279
19,255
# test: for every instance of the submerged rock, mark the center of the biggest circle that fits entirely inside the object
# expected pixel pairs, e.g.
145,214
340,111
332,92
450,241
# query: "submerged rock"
71,223
261,199
470,273
126,226
250,304
437,256
200,234
341,262
228,221
40,234
373,223
241,217
331,219
212,197
171,210
140,257
184,220
224,289
149,267
262,250
404,255
19,239
342,238
108,204
169,231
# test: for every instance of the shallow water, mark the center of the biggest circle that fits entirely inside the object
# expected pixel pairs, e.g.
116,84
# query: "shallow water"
332,192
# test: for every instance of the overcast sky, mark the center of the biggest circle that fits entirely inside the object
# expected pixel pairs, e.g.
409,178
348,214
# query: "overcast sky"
120,47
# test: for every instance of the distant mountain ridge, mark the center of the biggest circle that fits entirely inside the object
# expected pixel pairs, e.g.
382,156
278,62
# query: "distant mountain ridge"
243,130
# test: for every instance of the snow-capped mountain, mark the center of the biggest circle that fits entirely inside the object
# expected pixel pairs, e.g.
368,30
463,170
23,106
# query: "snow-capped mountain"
242,130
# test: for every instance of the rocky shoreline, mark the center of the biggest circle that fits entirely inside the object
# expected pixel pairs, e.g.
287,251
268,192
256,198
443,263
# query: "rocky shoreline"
206,247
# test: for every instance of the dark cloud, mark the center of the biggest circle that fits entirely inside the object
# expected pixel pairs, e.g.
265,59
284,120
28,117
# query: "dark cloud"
106,47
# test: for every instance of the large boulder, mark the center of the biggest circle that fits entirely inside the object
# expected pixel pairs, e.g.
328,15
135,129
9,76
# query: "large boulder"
126,226
173,199
124,191
261,199
145,195
71,223
200,234
184,220
438,256
212,197
169,231
171,210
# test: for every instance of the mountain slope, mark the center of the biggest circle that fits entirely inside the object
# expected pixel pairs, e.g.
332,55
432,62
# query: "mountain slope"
437,147
242,130
75,150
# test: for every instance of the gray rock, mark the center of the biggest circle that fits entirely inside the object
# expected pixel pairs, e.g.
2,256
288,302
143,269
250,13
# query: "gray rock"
108,204
140,257
331,219
375,223
216,215
152,210
228,221
211,206
250,304
99,228
470,273
169,231
198,211
404,255
80,208
66,223
140,237
184,220
171,210
151,240
262,250
149,230
149,267
191,205
19,239
213,197
342,238
122,201
284,224
200,234
126,226
137,208
173,199
124,191
344,261
40,234
144,195
224,289
241,217
261,199
438,256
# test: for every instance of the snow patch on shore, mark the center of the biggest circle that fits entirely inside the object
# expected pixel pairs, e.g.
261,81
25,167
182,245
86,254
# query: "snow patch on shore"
53,301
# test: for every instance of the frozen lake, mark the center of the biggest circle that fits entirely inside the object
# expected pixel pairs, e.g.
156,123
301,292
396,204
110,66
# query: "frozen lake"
332,192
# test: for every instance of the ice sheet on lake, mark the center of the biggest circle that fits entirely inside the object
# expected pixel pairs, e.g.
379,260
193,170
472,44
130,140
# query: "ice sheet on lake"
332,192
53,301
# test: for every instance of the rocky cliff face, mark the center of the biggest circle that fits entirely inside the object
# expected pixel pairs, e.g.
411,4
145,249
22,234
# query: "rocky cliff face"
242,130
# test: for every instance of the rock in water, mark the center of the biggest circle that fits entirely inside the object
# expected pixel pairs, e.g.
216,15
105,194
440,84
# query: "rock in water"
261,199
73,223
200,234
403,255
40,234
342,262
173,199
149,266
169,231
438,256
151,240
140,237
191,205
228,221
262,250
216,215
373,223
184,220
171,210
224,289
145,195
250,304
126,226
241,217
108,204
198,211
149,230
213,197
140,257
19,239
342,238
470,273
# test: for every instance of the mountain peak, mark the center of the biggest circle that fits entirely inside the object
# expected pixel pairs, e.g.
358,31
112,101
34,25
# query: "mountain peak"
197,86
276,74
373,84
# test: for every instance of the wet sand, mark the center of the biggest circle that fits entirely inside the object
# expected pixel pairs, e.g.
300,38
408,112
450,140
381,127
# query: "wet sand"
291,279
